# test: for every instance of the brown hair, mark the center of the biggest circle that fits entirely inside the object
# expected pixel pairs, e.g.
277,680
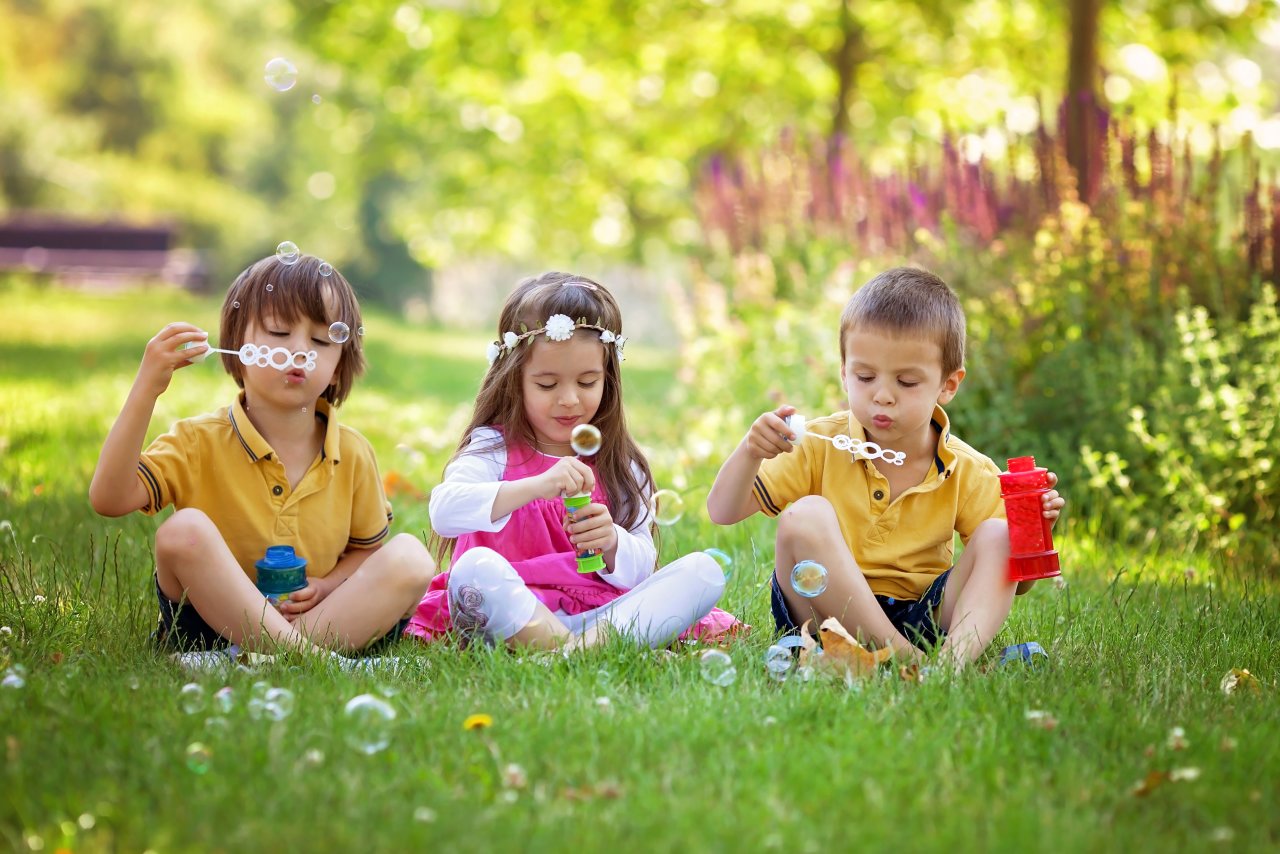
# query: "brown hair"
296,290
913,301
500,401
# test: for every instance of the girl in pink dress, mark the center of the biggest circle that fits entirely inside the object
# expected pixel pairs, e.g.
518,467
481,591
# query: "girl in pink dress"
515,577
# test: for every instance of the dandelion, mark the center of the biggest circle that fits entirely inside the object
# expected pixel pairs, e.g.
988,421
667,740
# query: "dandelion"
477,721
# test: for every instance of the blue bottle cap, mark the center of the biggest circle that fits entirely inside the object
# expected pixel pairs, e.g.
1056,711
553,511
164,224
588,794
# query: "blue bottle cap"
280,557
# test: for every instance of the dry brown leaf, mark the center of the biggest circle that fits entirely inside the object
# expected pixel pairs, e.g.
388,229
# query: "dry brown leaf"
838,646
1149,783
809,644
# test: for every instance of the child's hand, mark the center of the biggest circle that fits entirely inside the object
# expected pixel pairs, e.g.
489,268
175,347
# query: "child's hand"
162,356
591,527
569,476
1052,502
769,434
302,601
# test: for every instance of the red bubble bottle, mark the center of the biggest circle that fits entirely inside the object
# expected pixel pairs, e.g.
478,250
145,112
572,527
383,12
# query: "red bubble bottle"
1031,553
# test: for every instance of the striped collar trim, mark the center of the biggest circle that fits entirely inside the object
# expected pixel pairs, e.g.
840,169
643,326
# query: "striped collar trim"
257,448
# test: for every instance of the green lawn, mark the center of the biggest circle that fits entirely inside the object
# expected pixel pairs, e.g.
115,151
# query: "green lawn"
616,749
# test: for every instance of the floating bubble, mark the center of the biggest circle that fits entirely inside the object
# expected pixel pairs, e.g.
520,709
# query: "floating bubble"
217,724
315,99
326,270
235,303
270,287
280,74
191,697
339,332
15,677
369,721
585,440
360,331
778,662
722,558
287,253
278,704
717,668
198,757
667,506
224,699
809,578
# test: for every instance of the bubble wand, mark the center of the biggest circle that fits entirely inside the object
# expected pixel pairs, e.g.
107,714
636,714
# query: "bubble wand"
585,441
856,447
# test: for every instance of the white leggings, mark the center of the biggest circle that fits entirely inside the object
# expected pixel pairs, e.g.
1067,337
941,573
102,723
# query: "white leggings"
487,597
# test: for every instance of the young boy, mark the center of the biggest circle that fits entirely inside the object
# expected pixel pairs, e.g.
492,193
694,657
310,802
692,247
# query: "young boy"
273,468
884,531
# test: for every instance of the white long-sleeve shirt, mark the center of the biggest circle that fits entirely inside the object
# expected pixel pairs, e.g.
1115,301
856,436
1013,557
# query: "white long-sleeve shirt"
463,504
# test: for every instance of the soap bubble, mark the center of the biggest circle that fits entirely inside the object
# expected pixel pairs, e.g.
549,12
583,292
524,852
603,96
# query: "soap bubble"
667,506
777,660
339,332
722,558
717,668
360,331
369,721
287,253
198,756
191,697
280,74
315,99
585,440
270,287
809,578
217,725
235,304
15,677
224,699
326,270
278,704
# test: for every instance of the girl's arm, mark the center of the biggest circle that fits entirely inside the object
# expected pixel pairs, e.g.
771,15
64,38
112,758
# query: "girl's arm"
115,489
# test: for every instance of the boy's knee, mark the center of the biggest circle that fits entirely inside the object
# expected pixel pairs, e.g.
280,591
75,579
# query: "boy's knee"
807,517
409,560
184,532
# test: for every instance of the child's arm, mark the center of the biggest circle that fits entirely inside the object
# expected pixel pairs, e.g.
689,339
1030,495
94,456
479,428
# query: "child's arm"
1052,504
730,499
318,588
116,489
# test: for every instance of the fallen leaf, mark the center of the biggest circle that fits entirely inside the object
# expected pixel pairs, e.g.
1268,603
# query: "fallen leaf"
1239,679
842,650
1149,783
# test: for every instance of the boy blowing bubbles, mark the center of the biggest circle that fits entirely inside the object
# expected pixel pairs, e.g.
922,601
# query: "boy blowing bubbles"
885,531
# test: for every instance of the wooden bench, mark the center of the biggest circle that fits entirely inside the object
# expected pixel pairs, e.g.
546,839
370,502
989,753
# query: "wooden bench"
98,254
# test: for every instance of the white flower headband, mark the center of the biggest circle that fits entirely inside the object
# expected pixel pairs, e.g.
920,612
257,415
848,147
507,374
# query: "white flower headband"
559,327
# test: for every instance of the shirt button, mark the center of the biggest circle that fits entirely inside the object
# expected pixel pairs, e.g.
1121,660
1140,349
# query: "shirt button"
878,495
277,490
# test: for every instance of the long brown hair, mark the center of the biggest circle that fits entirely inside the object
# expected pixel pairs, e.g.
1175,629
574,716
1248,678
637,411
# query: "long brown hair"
500,401
296,290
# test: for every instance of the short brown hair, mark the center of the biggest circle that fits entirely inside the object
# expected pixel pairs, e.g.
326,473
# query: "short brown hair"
288,292
913,301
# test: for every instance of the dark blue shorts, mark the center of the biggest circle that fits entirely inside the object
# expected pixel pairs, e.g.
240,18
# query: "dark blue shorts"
912,617
181,628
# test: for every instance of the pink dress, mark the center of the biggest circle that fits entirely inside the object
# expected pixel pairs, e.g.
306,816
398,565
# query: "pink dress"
536,544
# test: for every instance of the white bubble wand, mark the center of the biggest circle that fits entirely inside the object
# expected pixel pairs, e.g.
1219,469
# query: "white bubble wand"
855,447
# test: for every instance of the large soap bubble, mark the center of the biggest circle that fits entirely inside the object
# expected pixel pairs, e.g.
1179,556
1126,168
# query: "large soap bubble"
280,74
809,578
339,332
667,506
287,253
585,440
369,722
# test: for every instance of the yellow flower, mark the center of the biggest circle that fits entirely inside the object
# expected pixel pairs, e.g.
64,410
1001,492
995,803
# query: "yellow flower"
479,721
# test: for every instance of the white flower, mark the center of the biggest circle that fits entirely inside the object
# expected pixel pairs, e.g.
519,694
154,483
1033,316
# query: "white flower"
509,340
37,599
559,327
493,352
607,337
5,630
618,344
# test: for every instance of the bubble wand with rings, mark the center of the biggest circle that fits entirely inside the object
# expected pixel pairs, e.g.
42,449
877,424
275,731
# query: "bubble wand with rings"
855,447
277,357
585,441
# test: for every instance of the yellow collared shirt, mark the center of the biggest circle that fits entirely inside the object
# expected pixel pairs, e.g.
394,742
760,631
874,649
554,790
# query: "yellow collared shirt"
220,464
901,546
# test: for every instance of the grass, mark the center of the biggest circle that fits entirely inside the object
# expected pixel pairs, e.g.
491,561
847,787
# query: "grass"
618,749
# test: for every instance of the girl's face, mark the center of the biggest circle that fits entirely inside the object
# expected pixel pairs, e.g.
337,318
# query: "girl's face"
293,388
562,383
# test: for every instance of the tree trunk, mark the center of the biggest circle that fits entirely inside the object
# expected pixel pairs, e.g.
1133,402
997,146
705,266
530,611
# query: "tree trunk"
845,61
1082,76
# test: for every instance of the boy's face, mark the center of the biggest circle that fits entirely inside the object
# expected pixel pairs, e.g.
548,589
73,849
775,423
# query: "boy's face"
893,381
293,387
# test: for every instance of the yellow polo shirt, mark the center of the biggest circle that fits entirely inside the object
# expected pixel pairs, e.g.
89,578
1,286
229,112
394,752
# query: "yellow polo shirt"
220,464
904,545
